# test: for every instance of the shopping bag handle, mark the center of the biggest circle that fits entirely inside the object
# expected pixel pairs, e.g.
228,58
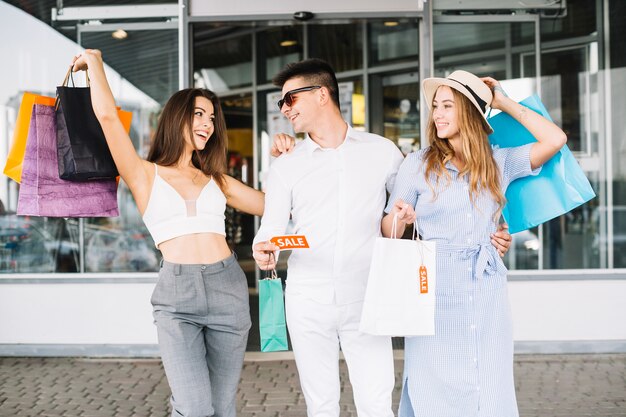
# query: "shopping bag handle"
271,274
69,75
394,224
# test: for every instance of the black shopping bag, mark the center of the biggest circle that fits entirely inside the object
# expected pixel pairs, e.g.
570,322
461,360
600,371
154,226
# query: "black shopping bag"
81,147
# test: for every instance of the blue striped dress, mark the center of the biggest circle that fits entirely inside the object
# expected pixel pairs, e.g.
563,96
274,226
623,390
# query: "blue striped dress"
466,368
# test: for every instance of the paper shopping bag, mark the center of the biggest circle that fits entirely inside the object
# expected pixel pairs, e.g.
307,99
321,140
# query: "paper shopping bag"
43,193
272,325
13,167
562,184
400,295
83,152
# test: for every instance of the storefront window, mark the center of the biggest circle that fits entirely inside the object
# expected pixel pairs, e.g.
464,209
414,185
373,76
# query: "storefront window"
148,60
38,244
615,80
340,45
575,88
222,56
123,244
276,48
393,40
394,108
579,19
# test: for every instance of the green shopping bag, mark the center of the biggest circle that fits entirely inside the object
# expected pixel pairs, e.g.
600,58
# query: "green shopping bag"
272,326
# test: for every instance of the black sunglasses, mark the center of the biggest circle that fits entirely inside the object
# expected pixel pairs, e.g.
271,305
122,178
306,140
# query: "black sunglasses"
288,98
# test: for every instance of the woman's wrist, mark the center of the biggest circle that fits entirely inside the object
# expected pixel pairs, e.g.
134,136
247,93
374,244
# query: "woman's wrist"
501,90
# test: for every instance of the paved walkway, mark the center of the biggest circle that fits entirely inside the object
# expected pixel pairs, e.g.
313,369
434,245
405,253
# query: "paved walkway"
547,385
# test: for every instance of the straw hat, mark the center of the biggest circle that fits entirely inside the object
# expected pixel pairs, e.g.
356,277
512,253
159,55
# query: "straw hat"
465,83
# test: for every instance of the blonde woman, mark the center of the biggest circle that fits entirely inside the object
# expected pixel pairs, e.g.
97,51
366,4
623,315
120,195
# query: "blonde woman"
455,189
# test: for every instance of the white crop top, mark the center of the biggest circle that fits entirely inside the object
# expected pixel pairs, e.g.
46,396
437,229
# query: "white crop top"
168,215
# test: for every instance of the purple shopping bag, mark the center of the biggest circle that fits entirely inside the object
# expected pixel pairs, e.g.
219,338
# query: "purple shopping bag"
43,193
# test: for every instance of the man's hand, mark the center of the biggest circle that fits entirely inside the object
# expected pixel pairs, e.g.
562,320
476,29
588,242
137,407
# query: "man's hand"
263,254
501,240
283,143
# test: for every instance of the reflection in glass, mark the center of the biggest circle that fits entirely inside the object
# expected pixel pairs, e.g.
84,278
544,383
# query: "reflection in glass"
357,112
393,40
277,46
222,56
580,19
475,47
37,244
401,111
524,250
120,244
146,58
339,45
617,144
240,226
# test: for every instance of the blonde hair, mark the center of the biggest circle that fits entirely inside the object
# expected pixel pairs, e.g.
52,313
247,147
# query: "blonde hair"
475,151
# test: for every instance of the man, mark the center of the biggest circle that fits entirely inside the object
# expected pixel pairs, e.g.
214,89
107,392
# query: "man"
333,185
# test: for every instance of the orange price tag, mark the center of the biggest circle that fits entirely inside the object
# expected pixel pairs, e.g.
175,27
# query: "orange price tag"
290,242
423,280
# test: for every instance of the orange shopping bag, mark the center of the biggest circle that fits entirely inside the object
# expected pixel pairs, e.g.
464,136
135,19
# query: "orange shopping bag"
13,167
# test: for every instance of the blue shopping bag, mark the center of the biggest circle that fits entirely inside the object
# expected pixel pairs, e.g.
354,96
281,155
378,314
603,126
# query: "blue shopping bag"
272,325
560,187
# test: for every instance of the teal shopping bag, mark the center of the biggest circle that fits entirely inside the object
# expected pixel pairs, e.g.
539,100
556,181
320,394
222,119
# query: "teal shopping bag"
560,187
272,326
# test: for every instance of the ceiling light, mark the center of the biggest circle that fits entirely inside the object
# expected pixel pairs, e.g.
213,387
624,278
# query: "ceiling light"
391,23
120,34
288,43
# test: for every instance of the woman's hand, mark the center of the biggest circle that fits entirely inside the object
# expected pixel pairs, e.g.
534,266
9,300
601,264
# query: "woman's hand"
498,93
501,239
404,212
283,143
87,59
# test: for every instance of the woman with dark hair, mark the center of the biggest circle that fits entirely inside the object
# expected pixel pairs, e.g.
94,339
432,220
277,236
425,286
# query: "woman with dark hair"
200,301
455,187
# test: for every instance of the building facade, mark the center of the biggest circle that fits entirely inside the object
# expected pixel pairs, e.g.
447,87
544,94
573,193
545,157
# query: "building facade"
70,286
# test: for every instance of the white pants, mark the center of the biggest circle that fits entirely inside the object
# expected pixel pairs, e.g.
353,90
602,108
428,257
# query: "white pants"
317,331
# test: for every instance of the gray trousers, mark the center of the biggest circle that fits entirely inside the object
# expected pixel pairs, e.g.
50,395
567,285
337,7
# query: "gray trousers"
202,316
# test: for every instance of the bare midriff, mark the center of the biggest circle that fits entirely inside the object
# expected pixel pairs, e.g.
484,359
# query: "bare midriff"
197,248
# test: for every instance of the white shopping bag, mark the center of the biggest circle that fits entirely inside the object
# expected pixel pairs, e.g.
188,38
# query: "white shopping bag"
400,294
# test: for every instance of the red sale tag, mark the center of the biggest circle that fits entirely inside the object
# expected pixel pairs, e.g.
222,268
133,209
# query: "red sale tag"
290,242
423,280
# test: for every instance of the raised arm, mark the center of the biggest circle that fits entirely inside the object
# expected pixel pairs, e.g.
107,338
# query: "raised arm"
550,138
131,167
244,198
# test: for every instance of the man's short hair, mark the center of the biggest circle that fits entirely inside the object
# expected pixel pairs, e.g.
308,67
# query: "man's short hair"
315,71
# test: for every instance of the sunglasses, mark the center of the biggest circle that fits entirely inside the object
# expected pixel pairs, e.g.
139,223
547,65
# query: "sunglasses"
289,98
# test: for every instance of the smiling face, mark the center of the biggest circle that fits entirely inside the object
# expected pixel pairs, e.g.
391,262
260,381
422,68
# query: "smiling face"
304,107
445,113
202,125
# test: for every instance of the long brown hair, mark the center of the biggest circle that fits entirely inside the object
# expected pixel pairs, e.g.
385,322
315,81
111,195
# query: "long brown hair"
176,120
475,151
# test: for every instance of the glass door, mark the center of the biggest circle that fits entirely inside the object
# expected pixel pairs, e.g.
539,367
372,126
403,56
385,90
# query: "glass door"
397,116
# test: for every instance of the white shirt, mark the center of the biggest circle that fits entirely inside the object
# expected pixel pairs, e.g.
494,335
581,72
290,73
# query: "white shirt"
336,199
